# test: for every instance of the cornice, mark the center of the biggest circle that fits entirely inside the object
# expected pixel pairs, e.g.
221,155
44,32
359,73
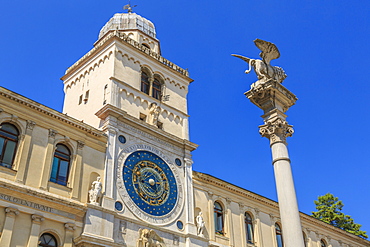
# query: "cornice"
110,110
126,40
213,181
10,95
306,219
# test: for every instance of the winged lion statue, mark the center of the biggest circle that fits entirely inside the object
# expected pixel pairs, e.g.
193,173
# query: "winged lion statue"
264,70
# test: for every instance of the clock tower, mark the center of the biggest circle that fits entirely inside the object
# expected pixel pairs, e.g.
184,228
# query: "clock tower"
126,88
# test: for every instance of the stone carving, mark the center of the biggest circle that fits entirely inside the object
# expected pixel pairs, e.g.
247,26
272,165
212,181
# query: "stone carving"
30,124
37,219
276,130
52,133
149,238
70,227
200,224
80,144
264,70
95,191
154,111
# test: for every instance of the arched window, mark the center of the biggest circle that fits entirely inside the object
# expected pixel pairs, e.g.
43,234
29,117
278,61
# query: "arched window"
249,228
145,84
61,161
156,89
219,218
279,235
151,85
323,243
8,144
47,240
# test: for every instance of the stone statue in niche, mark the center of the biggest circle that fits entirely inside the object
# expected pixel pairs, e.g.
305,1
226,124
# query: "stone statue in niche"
154,111
149,238
95,191
200,224
264,70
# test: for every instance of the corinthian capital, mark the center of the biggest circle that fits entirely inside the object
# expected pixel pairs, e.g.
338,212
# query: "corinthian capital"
276,131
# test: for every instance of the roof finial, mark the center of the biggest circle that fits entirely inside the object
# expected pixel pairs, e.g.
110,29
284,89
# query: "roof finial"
129,7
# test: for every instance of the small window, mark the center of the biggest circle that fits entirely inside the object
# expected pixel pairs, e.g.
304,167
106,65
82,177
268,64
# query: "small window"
145,45
80,100
156,89
61,163
219,218
87,96
279,235
322,243
47,240
160,125
145,85
105,94
249,228
8,144
142,117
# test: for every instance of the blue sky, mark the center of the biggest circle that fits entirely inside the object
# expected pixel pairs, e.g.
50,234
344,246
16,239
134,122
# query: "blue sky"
324,50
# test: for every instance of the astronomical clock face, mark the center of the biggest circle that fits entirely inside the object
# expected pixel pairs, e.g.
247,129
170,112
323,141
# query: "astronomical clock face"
149,187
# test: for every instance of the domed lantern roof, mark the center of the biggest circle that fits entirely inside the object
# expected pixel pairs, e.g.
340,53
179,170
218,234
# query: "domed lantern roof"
129,22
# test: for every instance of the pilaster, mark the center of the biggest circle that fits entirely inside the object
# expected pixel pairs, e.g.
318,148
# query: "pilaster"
69,232
242,224
35,230
230,222
109,167
6,236
45,174
189,200
26,147
77,171
211,224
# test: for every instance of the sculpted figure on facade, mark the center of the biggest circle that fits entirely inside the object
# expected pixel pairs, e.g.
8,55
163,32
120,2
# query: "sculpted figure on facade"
264,70
200,223
154,111
149,238
95,191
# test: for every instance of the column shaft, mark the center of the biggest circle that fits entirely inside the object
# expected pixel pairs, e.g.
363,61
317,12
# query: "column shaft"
291,223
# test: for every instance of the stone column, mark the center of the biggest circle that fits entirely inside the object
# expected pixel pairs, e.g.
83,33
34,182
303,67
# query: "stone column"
24,159
48,162
68,239
6,236
35,230
189,200
274,99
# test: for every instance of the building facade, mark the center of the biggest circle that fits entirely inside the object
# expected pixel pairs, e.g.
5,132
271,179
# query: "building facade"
115,168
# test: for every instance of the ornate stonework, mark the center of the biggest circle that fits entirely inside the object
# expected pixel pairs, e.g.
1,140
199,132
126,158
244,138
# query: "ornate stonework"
276,131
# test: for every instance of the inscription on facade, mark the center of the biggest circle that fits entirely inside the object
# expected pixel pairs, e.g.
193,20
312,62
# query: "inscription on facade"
37,206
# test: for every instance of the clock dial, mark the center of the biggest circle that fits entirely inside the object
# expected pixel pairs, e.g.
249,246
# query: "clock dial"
150,183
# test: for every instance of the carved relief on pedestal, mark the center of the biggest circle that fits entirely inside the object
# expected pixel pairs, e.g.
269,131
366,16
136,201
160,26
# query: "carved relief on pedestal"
277,130
149,238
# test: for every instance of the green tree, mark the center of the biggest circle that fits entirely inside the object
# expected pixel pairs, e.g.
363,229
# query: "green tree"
329,210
